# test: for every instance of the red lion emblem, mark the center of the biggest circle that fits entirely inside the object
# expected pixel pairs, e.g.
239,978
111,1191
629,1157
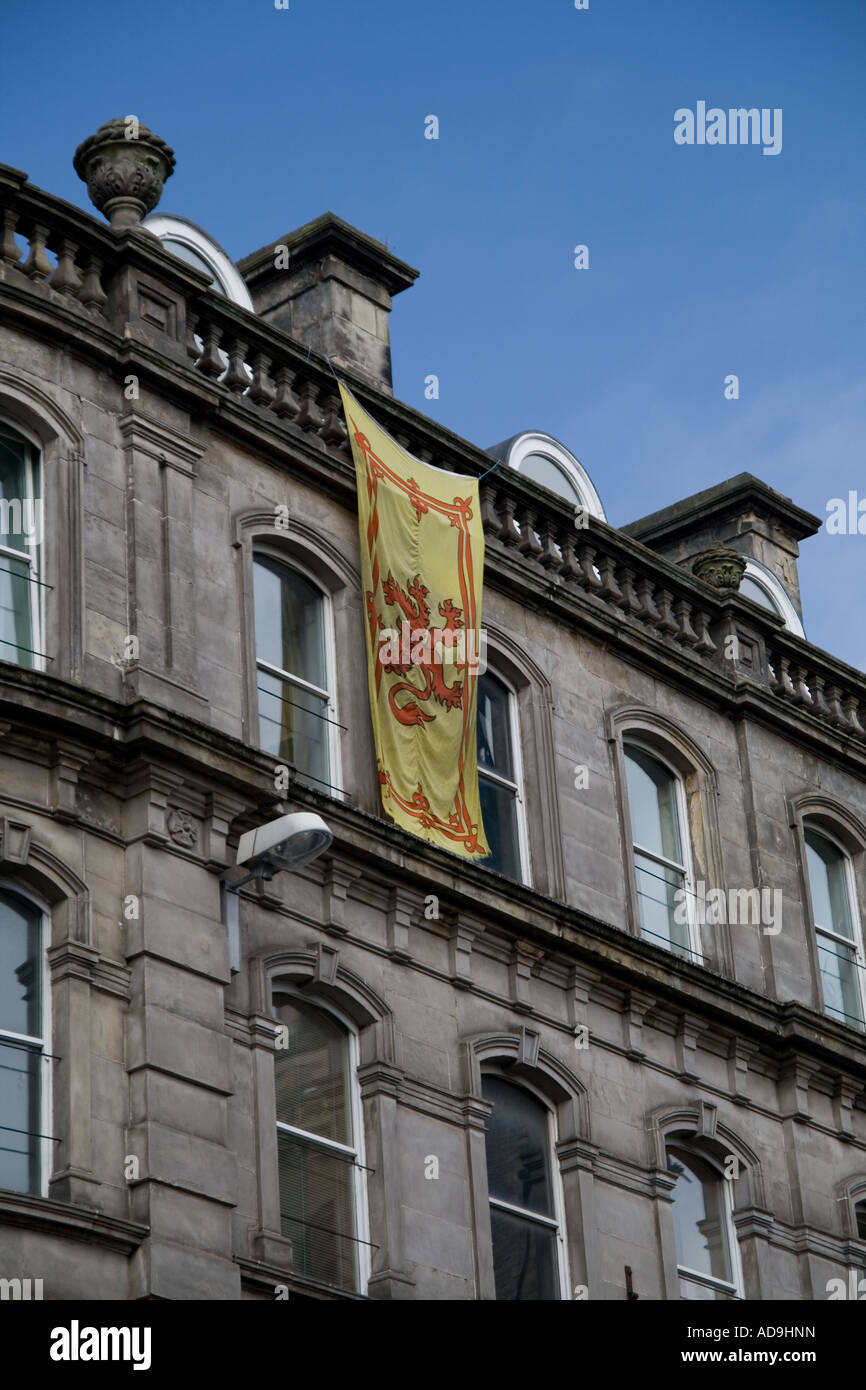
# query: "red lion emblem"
412,601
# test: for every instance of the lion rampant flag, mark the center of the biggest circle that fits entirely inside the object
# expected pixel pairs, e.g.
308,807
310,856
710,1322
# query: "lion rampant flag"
422,558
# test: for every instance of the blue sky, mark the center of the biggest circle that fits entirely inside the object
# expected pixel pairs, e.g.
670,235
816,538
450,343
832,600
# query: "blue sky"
556,129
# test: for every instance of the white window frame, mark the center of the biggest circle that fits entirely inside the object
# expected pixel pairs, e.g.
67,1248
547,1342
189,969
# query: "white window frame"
33,475
775,592
696,955
695,1276
535,442
166,226
334,787
44,1138
358,1151
557,1221
517,787
855,942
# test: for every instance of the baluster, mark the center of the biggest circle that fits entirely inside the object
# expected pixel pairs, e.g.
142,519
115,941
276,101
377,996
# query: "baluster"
685,633
667,623
609,589
819,704
570,565
801,694
286,403
834,705
784,685
260,389
310,417
37,265
11,251
647,611
529,543
510,533
850,704
549,557
334,431
192,347
236,378
705,643
91,294
630,600
588,577
489,517
66,278
210,363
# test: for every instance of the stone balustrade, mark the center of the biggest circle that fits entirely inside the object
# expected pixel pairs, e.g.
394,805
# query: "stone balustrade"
265,370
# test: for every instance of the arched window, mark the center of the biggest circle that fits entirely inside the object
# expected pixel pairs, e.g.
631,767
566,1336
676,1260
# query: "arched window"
21,524
837,928
761,586
319,1145
189,243
708,1260
860,1217
295,670
525,1203
24,1081
541,457
662,856
500,778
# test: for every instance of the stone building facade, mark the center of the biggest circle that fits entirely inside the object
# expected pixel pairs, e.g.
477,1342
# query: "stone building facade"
411,1077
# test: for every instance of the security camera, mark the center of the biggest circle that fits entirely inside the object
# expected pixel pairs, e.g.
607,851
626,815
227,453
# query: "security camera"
285,843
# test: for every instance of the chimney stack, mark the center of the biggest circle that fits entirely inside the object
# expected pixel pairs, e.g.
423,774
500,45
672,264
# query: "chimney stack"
331,287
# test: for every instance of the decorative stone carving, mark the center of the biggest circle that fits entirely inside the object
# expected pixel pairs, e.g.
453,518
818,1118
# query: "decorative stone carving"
124,166
182,828
721,567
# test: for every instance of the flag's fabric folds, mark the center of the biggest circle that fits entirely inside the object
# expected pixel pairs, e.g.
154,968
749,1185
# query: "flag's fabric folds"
422,558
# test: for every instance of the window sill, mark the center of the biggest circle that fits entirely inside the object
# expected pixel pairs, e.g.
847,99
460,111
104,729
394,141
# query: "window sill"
77,1223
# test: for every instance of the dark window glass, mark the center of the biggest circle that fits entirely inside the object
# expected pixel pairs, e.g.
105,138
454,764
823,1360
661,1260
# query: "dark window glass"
294,706
860,1213
497,784
521,1194
21,1044
700,1225
316,1152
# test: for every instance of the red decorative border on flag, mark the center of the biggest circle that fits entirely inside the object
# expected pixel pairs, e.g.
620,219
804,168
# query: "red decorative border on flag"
458,826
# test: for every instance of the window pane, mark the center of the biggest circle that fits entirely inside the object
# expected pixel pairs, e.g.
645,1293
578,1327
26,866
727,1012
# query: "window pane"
750,588
20,1107
312,1072
186,253
663,916
17,519
827,881
317,1211
290,622
293,725
839,981
524,1258
652,805
499,815
494,727
518,1147
860,1213
20,973
543,470
700,1217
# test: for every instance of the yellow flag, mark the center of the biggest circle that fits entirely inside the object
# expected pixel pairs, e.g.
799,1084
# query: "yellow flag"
422,559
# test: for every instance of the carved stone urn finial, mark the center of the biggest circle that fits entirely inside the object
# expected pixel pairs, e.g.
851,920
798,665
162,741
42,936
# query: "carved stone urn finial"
124,166
721,567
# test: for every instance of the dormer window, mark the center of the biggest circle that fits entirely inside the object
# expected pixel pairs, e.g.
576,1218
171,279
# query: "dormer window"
761,586
189,243
546,461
